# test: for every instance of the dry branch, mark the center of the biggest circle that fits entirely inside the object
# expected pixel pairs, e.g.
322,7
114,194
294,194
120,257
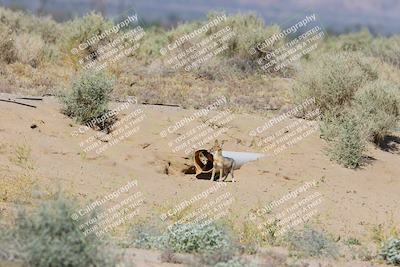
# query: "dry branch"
19,103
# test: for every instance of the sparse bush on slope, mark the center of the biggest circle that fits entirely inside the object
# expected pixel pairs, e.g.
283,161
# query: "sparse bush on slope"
378,106
51,238
333,80
89,98
355,105
373,114
348,143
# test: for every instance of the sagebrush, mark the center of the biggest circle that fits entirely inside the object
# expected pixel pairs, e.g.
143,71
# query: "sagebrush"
391,251
50,237
89,99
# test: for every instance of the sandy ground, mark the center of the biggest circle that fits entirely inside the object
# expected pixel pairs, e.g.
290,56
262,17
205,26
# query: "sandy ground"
354,201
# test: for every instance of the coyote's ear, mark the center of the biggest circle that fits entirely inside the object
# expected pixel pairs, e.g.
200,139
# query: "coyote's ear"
216,142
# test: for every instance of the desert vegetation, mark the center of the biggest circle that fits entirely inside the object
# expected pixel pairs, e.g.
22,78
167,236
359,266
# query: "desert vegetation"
354,79
49,237
350,76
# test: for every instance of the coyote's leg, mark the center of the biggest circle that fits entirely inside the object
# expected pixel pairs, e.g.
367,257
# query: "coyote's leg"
220,174
213,174
226,175
233,178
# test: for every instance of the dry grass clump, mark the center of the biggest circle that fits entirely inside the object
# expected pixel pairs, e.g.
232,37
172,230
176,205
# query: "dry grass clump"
21,22
7,45
30,49
31,34
16,188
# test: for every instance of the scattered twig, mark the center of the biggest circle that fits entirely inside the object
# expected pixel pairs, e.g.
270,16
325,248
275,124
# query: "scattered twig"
30,98
19,103
161,104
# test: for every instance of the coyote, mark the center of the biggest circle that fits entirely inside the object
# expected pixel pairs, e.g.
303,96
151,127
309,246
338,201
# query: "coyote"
222,164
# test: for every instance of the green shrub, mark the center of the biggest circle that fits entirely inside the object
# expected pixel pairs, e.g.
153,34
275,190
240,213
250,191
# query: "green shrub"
391,251
51,238
30,49
249,29
378,105
182,238
348,142
357,41
311,243
196,238
80,30
329,125
156,38
89,99
147,237
352,241
10,249
332,80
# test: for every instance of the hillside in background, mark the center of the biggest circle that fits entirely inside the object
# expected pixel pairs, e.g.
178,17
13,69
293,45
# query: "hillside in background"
381,16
